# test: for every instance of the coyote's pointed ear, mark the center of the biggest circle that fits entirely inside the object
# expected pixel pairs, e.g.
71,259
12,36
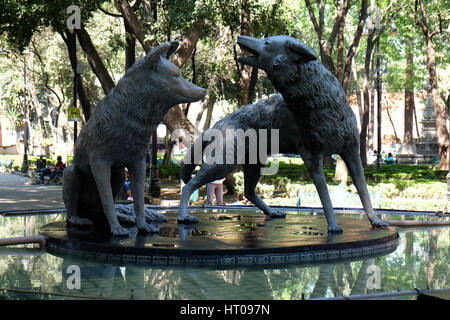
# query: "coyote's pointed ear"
165,50
301,52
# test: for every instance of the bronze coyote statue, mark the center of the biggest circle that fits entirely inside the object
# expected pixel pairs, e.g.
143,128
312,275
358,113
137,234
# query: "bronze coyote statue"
317,121
326,123
117,136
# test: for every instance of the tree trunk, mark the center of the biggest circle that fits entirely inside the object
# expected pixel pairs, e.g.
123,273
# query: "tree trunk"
325,48
244,80
37,105
371,141
351,52
209,111
133,23
81,91
409,97
130,49
187,46
390,120
53,120
340,45
439,109
357,91
342,68
366,99
94,60
252,85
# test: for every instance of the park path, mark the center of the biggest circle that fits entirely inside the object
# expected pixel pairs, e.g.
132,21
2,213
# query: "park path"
17,194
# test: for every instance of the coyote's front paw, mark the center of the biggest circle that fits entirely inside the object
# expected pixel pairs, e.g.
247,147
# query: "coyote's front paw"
335,228
119,231
277,214
378,223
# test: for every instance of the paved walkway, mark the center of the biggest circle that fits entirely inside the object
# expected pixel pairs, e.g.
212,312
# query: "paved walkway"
17,194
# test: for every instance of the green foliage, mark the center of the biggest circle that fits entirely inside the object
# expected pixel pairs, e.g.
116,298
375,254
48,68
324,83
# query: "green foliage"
402,175
265,191
37,24
169,171
21,19
239,183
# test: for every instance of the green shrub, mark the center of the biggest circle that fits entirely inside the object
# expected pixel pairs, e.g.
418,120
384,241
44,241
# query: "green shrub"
388,190
239,183
415,204
265,191
169,170
434,190
292,190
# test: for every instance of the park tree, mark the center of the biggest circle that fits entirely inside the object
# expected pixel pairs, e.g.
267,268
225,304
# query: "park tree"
378,21
114,33
430,18
406,69
339,64
331,25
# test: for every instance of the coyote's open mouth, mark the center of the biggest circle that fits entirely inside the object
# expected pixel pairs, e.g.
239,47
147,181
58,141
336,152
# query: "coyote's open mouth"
252,58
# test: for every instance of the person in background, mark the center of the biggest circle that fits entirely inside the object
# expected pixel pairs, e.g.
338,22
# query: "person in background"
52,171
127,185
214,188
41,163
389,159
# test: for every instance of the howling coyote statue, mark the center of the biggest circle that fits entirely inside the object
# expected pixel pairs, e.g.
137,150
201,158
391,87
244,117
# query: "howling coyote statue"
326,123
117,136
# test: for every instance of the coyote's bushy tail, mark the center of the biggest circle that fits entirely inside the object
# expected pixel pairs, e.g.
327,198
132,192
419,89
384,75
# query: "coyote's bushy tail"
188,163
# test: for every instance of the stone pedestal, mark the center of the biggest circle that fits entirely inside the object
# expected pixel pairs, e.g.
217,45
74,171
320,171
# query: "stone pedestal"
407,154
427,148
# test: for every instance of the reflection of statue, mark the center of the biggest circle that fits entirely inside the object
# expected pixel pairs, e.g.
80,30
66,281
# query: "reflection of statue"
118,135
326,122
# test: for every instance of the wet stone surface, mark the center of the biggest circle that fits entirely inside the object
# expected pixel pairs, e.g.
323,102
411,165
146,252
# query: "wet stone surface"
228,237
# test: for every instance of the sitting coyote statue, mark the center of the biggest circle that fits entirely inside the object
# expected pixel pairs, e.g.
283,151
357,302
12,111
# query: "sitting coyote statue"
117,136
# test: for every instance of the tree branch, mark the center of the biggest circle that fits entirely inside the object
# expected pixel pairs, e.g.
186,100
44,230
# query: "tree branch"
134,25
109,13
328,61
352,49
187,46
94,60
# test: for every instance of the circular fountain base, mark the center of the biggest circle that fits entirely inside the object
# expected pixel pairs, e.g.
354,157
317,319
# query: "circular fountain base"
228,238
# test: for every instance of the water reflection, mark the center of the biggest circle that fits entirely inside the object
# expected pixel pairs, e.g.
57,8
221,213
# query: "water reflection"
421,260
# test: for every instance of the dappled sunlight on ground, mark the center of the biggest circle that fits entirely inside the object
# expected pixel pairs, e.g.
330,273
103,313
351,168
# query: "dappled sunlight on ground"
16,194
